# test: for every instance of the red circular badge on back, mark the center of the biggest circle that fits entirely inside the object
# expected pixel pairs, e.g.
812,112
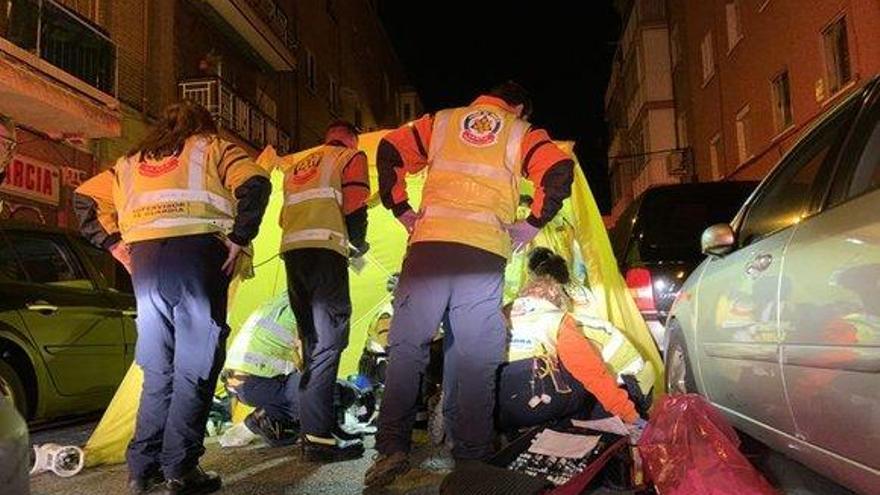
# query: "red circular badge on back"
156,169
481,128
305,170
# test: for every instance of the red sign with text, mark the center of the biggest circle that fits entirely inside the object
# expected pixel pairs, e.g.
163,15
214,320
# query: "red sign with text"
32,179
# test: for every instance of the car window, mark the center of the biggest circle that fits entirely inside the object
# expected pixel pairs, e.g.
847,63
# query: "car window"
785,199
866,174
48,259
110,270
10,270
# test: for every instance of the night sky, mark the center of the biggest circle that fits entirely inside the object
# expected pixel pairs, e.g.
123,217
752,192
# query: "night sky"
452,51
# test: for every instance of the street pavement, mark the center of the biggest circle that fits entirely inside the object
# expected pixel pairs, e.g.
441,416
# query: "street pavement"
258,470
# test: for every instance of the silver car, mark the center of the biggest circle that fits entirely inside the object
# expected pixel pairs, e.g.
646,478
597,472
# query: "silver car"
779,327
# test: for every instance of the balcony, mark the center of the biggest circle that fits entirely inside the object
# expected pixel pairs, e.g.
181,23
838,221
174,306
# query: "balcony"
263,26
236,114
57,70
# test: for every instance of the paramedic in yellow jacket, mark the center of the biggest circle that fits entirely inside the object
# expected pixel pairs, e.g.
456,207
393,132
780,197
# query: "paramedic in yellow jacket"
555,367
459,243
177,211
324,222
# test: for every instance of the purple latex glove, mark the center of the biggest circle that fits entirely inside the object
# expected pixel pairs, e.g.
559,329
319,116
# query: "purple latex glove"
521,234
408,220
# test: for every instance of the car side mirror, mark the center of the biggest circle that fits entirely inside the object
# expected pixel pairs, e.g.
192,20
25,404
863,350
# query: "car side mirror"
718,239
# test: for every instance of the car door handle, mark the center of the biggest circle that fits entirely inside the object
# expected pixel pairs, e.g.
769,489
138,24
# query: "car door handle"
42,307
130,313
759,264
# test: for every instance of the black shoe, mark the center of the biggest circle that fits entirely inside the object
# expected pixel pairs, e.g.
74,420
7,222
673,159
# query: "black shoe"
276,433
195,482
385,469
325,454
142,485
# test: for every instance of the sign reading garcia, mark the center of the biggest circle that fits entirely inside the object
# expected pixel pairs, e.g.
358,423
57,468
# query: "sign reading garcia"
32,179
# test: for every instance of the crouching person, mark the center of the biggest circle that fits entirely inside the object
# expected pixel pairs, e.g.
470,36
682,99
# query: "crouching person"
554,370
263,370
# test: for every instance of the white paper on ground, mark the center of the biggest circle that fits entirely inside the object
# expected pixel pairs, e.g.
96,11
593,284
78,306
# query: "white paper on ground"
568,445
608,425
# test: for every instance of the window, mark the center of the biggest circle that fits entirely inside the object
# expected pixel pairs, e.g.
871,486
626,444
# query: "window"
860,166
48,259
707,56
267,104
782,117
681,128
786,198
837,68
311,71
675,46
744,135
715,157
734,24
10,270
358,118
333,96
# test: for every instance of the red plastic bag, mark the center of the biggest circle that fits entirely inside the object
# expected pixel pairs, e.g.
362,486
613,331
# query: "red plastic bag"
689,449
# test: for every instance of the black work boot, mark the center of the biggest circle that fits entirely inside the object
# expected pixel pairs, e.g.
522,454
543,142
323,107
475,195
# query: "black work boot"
386,468
195,482
141,485
331,449
276,433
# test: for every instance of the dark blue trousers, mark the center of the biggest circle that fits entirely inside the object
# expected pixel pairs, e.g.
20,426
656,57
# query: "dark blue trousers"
181,297
515,391
278,396
317,283
464,285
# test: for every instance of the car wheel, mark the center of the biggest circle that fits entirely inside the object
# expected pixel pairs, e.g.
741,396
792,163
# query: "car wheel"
12,388
679,375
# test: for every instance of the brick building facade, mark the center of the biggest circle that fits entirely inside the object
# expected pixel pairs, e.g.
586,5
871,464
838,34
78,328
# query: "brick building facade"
747,77
272,71
750,75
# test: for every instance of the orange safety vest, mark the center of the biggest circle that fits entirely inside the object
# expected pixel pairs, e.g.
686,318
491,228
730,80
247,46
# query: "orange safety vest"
174,196
312,216
472,189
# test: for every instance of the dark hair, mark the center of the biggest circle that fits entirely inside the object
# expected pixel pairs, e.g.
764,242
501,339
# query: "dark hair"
342,124
178,123
514,94
544,262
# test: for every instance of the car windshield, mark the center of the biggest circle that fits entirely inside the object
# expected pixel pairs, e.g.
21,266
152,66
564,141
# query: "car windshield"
673,223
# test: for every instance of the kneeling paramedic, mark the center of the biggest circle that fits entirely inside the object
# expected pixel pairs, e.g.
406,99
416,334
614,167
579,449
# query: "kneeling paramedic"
458,246
324,222
263,370
177,211
555,369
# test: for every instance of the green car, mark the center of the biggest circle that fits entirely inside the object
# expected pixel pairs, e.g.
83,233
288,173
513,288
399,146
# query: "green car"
67,329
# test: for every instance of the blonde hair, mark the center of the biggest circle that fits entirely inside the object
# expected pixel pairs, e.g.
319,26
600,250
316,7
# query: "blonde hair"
547,288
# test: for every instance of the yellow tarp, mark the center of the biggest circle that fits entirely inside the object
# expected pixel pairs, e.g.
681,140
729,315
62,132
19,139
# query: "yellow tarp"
580,218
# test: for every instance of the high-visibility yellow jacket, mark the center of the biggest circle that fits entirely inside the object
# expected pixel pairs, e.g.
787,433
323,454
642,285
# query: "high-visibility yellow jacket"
538,329
184,194
267,344
314,215
474,168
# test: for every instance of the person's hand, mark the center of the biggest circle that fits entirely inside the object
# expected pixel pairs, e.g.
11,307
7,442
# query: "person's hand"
234,251
521,234
408,220
122,254
636,429
358,251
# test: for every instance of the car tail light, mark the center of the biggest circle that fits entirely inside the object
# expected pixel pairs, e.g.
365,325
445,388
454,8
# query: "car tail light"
641,287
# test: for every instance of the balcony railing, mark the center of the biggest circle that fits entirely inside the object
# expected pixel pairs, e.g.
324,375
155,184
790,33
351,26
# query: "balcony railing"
59,36
236,114
277,21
